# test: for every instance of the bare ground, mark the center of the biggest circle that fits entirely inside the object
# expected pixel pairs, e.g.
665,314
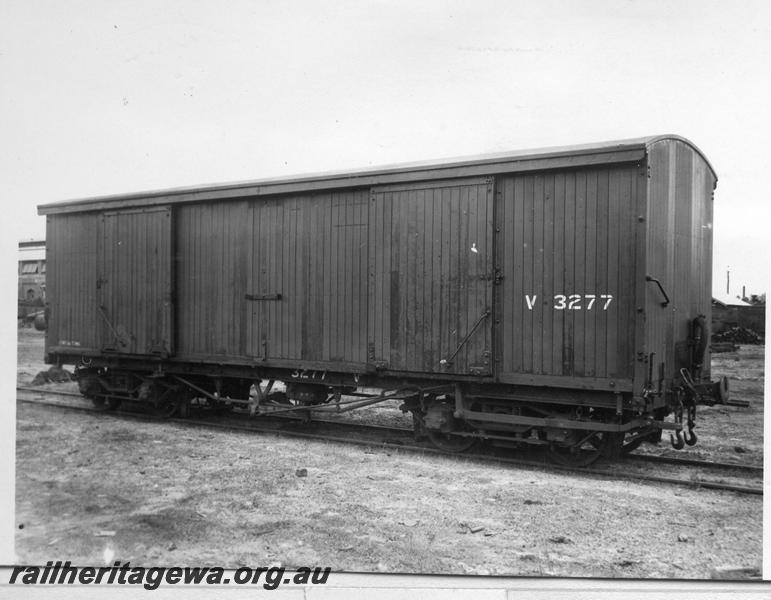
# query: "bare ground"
155,493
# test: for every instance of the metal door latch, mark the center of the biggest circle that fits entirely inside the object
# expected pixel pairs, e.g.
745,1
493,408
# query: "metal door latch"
263,296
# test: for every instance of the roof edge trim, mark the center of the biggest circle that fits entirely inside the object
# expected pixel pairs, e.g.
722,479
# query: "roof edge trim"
584,154
679,138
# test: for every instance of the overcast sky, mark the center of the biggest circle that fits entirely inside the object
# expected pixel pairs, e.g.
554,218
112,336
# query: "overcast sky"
109,97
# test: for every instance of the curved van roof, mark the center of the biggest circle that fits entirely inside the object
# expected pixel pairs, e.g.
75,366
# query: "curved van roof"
629,150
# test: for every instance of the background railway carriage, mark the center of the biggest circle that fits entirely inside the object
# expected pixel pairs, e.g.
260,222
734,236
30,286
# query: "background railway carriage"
32,281
556,297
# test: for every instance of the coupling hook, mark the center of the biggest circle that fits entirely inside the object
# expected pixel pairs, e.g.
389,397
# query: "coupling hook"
690,437
680,443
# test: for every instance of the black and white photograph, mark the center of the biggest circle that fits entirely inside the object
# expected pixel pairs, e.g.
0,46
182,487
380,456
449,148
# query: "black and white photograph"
385,289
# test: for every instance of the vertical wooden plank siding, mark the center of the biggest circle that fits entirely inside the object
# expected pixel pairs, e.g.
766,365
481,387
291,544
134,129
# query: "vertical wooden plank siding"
538,274
134,271
586,317
703,198
581,284
513,289
310,249
528,275
436,249
212,257
685,280
546,251
565,237
678,251
656,318
569,273
558,269
71,253
434,345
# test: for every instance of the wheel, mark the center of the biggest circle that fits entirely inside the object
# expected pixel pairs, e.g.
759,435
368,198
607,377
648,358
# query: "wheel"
721,390
279,398
184,408
585,448
166,408
106,404
220,409
418,428
448,442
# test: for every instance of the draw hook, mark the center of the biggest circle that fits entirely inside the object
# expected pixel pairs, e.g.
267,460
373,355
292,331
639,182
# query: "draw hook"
680,443
690,437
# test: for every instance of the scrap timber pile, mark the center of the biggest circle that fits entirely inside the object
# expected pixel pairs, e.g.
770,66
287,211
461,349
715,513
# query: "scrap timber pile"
738,335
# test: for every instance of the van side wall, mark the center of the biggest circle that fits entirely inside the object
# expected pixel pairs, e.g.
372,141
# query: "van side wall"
397,276
404,276
309,249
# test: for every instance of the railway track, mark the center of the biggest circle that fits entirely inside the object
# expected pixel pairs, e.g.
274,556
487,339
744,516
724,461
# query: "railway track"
402,439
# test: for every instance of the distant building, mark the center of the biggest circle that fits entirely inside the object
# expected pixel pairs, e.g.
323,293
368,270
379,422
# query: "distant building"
32,277
728,311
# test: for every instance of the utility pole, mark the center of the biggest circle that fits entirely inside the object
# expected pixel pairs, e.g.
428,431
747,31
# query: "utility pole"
728,281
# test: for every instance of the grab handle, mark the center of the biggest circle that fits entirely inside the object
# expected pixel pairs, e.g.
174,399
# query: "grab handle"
658,283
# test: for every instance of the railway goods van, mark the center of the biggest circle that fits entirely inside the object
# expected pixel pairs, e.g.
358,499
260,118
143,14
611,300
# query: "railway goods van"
558,297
